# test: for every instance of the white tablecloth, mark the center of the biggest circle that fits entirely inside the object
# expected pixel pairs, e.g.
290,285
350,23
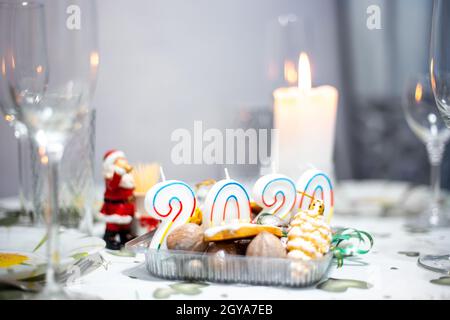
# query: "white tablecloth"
391,275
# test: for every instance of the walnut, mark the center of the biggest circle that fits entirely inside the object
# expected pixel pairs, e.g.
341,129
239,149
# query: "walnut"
266,244
187,237
225,246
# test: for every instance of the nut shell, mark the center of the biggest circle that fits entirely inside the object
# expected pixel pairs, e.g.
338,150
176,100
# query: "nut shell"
266,244
219,252
193,268
242,245
187,237
225,246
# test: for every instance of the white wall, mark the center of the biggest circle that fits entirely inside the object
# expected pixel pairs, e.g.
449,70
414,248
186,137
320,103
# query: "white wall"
166,63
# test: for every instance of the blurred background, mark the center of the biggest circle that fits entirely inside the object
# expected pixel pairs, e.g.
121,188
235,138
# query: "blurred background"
165,64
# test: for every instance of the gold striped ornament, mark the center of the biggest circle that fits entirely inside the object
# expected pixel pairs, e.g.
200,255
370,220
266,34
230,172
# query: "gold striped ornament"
309,236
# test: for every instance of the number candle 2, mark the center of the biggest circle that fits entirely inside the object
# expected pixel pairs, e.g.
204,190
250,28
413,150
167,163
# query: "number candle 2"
315,184
173,202
276,194
226,201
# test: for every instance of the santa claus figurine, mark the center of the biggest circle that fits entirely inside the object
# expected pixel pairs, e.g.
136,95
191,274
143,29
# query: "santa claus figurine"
118,208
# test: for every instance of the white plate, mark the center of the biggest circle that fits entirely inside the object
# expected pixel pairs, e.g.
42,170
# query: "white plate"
369,197
382,197
10,204
30,242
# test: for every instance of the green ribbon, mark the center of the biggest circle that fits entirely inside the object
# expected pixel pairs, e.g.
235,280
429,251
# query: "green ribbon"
365,243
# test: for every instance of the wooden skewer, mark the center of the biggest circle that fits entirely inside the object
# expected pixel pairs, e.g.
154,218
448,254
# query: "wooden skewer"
305,194
145,176
207,182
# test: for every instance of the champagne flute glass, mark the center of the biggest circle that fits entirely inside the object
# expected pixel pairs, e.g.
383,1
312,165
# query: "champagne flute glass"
440,57
23,144
440,83
49,61
423,118
27,215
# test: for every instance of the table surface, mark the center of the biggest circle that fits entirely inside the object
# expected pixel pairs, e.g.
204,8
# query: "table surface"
389,273
362,205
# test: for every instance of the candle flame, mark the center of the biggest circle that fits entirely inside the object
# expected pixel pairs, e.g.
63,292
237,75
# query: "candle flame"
44,159
304,72
419,92
290,72
43,155
94,59
3,67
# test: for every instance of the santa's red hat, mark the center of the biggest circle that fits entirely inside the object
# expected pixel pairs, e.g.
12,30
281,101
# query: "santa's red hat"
111,156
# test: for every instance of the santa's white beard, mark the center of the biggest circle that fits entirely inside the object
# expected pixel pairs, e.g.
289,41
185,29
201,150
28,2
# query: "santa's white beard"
127,180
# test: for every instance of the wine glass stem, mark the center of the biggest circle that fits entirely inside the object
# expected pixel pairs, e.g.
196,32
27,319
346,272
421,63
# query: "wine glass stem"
53,254
435,185
435,153
21,137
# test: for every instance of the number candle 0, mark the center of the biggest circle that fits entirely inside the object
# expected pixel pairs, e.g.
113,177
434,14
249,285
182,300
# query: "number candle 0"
218,208
315,184
173,202
276,194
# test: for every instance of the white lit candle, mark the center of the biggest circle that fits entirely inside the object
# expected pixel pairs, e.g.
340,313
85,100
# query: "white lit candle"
305,118
173,202
227,201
